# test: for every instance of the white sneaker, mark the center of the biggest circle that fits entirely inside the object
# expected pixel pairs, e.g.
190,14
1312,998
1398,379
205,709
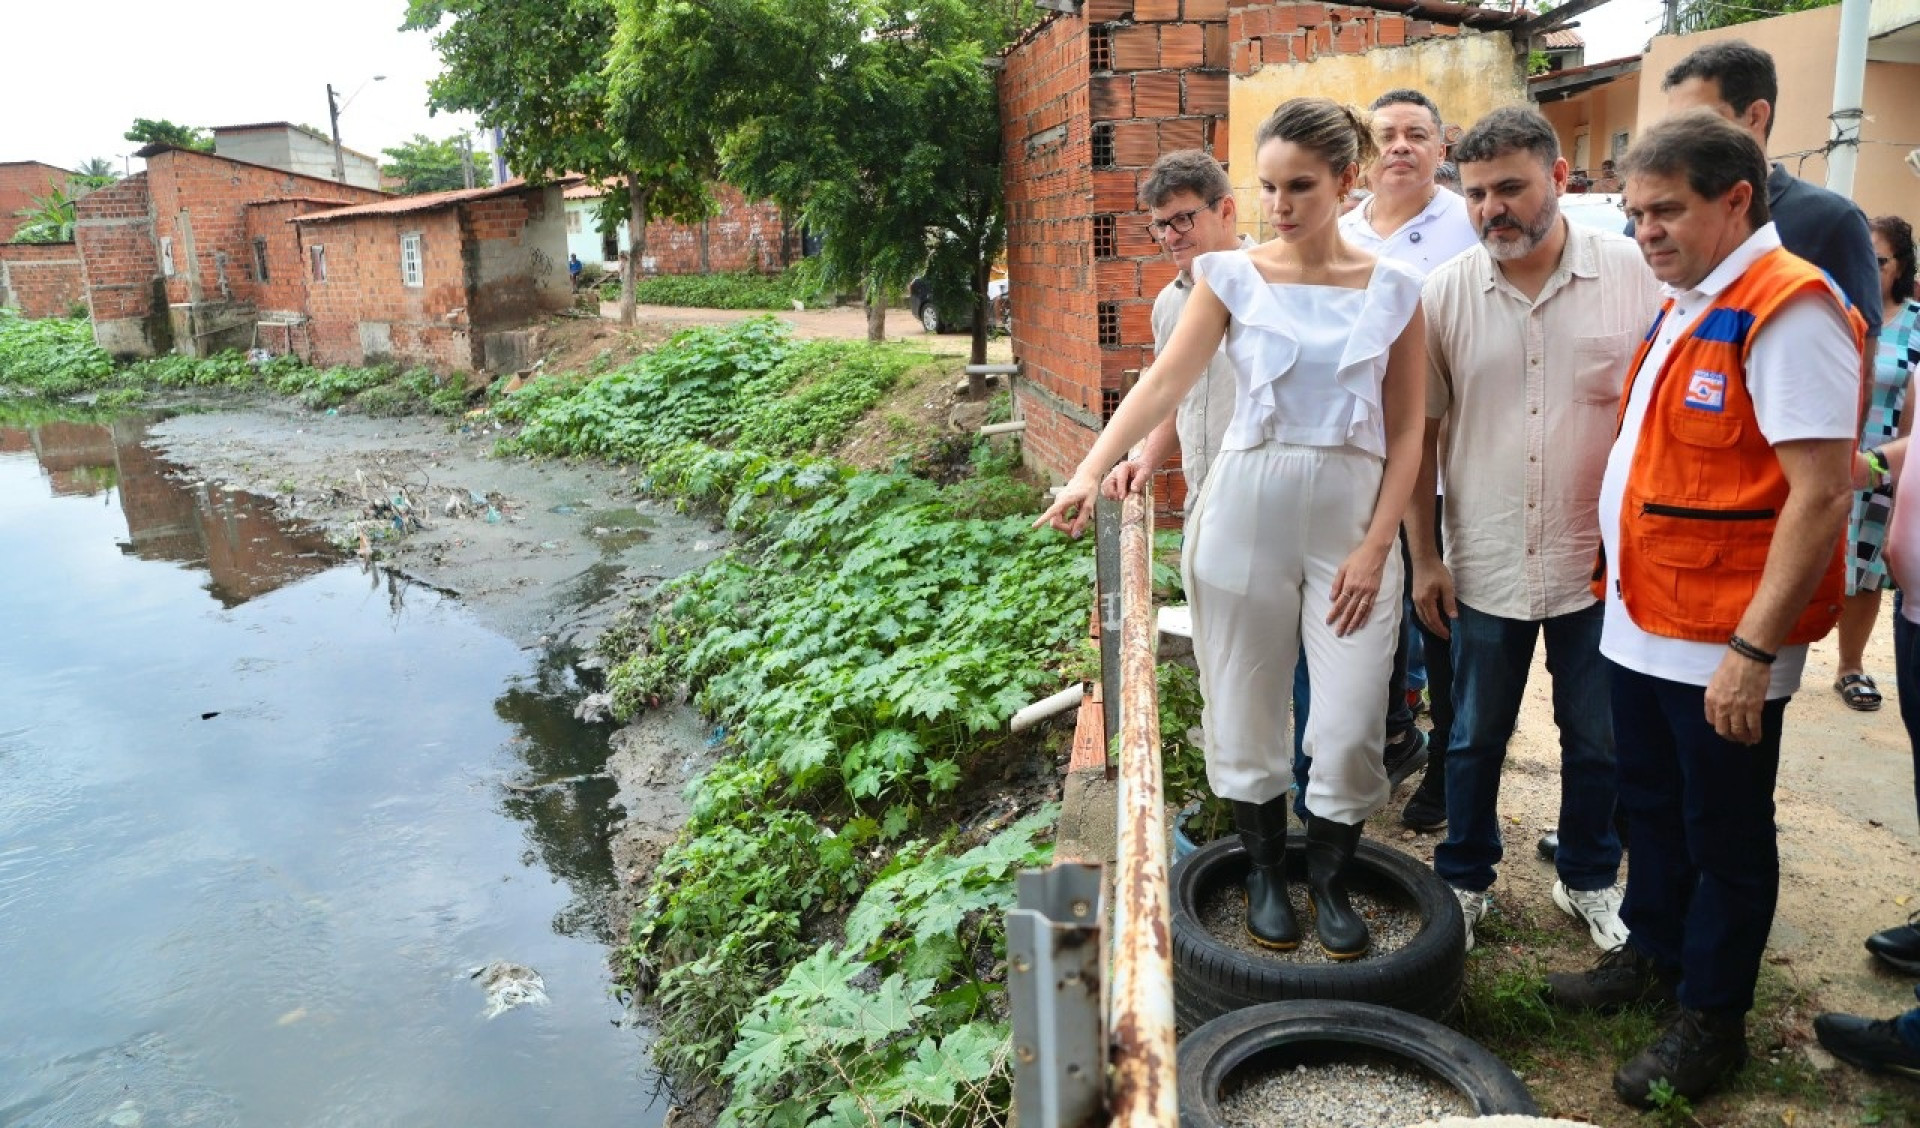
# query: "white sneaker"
1473,906
1598,909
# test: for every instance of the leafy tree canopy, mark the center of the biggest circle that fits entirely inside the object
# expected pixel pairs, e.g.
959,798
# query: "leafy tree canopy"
427,165
1700,15
537,69
100,169
146,131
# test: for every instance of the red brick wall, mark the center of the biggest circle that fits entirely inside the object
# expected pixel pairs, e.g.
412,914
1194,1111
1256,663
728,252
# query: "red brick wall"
20,182
215,192
1293,32
119,264
364,284
41,279
741,236
1127,82
285,288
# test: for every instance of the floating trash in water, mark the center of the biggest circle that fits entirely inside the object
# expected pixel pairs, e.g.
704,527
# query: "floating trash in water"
126,1116
510,985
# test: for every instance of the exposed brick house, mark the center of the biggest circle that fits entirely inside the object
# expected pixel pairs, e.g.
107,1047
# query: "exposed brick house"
1091,98
20,182
171,256
40,279
447,280
742,235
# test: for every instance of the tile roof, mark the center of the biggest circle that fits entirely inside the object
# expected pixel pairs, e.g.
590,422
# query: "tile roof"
1559,40
429,201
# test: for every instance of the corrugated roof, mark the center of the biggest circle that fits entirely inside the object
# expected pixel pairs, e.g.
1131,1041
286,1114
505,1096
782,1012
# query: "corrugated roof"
429,201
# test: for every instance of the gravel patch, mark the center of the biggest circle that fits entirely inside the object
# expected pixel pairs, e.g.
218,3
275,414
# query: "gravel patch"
1223,913
1365,1092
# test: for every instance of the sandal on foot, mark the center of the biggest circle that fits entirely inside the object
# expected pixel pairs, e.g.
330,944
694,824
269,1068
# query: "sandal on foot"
1858,691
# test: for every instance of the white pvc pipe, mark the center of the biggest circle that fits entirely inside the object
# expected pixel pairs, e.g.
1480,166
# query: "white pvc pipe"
1040,710
1849,86
1004,428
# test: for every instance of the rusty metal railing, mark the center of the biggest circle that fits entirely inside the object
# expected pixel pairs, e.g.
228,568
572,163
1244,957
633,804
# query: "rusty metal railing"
1072,1068
1140,1018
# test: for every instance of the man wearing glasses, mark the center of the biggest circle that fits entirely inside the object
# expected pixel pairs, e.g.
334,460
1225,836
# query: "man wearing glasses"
1192,213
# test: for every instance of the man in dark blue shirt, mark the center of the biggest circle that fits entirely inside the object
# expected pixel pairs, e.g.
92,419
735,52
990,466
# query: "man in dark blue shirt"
1736,80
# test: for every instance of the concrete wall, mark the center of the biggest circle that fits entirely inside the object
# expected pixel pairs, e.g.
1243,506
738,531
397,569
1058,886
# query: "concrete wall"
516,258
20,182
1465,72
295,150
1802,46
41,279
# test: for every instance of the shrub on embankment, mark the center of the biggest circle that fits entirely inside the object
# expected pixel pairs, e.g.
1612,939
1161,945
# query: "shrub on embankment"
57,357
737,290
862,647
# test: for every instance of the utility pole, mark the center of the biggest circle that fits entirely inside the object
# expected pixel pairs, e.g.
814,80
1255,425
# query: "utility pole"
1849,87
339,155
466,159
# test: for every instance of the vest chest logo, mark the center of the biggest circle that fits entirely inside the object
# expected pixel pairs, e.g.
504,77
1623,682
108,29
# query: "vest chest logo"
1706,390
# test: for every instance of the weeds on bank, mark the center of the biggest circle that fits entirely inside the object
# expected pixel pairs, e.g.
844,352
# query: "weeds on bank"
862,648
738,290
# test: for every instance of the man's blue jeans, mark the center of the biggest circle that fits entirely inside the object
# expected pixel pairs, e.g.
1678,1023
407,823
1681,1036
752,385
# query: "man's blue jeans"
1706,858
1491,657
1906,672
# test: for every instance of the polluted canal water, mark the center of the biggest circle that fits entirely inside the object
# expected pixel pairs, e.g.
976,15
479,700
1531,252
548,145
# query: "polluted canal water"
272,822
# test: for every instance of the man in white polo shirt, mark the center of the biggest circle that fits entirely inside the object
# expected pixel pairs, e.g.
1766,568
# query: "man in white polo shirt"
1530,335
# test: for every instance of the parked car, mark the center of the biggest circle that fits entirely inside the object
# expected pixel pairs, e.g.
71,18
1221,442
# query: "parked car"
926,309
1605,210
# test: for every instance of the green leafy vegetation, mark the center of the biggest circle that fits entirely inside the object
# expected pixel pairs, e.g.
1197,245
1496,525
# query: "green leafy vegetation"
426,165
739,290
56,357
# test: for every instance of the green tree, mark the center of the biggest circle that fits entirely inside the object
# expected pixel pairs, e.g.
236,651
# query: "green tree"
49,220
538,69
878,123
1700,15
427,165
146,131
97,169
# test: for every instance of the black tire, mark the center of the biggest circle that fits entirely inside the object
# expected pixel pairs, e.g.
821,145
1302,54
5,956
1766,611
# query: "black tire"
1422,977
1275,1035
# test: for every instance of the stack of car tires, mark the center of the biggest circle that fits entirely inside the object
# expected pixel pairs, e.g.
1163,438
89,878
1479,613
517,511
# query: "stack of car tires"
1248,1012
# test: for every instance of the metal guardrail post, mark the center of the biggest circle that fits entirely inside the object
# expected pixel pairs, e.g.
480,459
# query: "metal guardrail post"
1054,959
1141,1014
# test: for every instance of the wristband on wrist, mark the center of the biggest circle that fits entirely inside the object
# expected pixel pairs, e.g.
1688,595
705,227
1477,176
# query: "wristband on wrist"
1746,649
1877,468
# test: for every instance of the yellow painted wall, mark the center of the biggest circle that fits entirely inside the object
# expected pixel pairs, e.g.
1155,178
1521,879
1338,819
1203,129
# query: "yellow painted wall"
1466,75
1598,114
1802,46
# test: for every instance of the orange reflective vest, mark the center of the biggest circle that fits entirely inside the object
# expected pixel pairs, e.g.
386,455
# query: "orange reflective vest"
1704,490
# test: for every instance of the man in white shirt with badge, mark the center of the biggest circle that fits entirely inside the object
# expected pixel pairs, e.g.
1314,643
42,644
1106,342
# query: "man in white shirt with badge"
1530,336
1722,512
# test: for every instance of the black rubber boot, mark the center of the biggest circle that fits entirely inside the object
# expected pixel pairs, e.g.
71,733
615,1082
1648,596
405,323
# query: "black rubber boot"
1263,832
1330,847
1427,809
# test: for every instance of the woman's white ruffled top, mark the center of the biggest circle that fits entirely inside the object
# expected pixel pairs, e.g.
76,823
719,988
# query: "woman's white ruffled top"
1309,360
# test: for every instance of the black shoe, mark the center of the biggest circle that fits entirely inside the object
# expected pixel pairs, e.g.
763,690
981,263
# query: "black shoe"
1872,1044
1263,833
1330,847
1405,755
1549,845
1693,1055
1899,946
1426,809
1622,978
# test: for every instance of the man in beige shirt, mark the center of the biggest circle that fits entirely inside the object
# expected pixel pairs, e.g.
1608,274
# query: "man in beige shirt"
1529,338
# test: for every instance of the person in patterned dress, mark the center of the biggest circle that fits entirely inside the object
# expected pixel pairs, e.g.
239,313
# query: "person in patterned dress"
1887,419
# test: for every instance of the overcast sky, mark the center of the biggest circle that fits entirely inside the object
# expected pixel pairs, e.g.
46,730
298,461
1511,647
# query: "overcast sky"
75,77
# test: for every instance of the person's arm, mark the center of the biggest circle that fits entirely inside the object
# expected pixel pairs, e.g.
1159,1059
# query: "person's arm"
1197,337
1813,519
1433,598
1403,395
1133,474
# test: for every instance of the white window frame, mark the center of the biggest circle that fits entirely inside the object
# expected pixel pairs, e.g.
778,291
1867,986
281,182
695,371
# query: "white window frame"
166,256
317,261
413,260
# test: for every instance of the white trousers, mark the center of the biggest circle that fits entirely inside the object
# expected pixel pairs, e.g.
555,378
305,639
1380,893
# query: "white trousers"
1269,532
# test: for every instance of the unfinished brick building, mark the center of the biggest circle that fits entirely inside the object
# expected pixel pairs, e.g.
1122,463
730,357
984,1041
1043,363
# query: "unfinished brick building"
20,183
41,279
1090,98
172,256
741,236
